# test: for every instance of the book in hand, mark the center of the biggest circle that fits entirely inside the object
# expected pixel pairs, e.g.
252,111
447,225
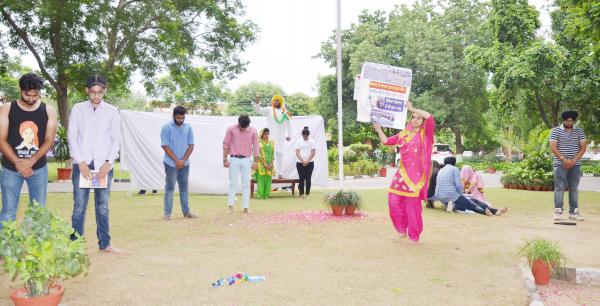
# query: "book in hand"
95,182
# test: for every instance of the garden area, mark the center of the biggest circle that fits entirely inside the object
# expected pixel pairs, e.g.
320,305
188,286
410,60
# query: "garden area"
309,257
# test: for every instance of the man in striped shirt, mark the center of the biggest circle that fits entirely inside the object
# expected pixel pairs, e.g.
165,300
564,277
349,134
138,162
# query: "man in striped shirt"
567,143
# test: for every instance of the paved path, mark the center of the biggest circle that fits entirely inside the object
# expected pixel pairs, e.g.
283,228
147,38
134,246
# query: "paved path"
588,183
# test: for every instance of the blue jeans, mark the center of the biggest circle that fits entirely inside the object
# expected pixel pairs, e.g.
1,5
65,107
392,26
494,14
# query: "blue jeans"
80,199
11,183
463,203
566,178
239,166
181,176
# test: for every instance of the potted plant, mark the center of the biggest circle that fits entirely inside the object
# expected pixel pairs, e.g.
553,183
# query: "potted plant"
39,251
543,256
62,154
507,181
341,201
384,156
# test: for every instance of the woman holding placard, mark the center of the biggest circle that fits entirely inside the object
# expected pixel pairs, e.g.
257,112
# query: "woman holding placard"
409,186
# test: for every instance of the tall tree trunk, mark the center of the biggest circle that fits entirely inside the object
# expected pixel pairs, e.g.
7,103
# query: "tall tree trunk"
555,111
458,140
542,111
63,99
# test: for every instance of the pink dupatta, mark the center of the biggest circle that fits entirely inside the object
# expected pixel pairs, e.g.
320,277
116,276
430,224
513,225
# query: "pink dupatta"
414,169
473,183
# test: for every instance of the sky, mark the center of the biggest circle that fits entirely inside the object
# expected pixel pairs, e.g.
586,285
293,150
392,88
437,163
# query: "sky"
291,33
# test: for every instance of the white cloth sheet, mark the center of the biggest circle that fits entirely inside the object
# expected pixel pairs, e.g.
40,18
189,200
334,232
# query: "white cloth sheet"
141,153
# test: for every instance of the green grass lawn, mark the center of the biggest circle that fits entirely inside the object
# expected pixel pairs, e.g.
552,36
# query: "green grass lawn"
52,173
461,259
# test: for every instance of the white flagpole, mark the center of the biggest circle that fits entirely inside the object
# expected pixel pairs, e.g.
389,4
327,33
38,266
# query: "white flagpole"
338,39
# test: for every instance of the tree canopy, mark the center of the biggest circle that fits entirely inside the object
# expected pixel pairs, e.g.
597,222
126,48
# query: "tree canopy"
71,39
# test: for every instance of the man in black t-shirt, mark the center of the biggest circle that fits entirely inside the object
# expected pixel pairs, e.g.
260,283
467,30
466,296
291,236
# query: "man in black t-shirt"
27,130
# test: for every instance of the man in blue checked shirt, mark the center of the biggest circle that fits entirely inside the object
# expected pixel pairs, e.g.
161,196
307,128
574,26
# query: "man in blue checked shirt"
177,139
449,190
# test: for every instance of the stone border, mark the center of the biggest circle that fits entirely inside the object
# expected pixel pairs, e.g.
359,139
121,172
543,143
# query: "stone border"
586,276
532,293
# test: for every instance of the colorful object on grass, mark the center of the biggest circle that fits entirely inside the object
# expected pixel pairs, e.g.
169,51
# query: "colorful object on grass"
238,278
311,217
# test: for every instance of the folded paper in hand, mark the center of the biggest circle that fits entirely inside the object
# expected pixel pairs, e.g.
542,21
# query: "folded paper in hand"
95,182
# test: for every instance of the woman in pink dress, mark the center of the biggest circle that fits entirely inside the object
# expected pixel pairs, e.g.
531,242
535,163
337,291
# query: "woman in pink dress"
409,185
473,184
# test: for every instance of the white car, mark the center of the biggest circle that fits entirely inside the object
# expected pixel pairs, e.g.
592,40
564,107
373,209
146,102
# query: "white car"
439,152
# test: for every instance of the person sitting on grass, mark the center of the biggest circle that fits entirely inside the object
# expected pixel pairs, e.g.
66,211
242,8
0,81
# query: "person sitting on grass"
449,190
473,184
435,168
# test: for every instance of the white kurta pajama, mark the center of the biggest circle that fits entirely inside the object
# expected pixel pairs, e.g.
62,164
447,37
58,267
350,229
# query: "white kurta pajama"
278,131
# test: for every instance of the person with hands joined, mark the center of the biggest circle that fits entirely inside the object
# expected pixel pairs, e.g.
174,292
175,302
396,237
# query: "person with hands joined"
27,129
94,141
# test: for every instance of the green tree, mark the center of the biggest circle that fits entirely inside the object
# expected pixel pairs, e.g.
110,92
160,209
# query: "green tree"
430,38
300,104
195,89
583,21
10,72
533,76
244,98
582,67
70,39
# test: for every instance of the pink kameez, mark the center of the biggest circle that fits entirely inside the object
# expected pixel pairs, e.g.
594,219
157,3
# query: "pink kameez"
409,186
473,184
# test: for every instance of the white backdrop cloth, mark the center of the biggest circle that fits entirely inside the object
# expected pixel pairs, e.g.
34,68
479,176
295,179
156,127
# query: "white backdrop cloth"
142,155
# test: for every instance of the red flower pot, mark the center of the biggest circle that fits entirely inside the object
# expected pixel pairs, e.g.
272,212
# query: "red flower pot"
383,172
337,210
52,299
64,174
349,210
541,272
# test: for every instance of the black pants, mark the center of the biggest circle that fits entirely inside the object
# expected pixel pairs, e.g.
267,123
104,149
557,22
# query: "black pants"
305,173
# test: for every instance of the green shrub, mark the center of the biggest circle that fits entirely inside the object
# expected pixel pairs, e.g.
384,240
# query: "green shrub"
361,149
544,250
384,155
39,250
344,198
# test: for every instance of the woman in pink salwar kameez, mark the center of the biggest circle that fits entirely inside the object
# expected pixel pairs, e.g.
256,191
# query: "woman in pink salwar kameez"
409,186
473,184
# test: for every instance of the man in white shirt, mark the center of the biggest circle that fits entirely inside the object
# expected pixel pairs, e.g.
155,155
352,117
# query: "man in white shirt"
279,123
94,139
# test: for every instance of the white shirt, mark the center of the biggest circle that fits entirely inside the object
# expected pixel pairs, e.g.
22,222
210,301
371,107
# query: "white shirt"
94,135
305,146
278,131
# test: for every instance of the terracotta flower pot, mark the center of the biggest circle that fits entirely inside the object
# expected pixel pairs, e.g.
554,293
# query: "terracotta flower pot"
491,170
337,210
530,187
349,210
383,172
537,187
52,299
541,272
64,174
